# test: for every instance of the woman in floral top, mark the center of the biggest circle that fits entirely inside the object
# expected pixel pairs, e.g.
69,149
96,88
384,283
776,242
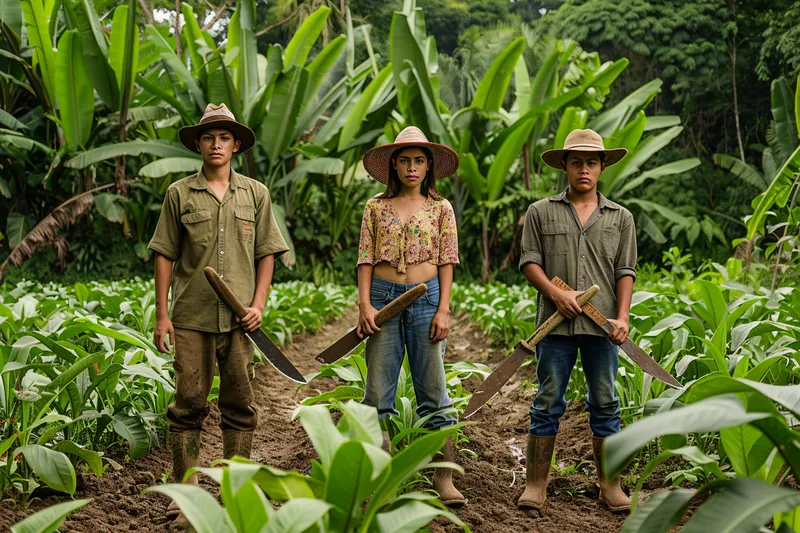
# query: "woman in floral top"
408,237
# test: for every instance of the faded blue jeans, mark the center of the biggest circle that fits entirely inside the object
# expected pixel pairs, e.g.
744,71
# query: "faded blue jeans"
407,332
557,355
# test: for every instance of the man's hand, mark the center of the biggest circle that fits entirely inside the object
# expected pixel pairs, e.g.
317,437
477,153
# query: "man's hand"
620,333
366,320
252,320
163,328
440,326
566,303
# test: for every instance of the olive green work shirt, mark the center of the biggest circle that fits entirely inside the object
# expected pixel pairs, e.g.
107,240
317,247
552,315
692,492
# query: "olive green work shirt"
196,230
598,253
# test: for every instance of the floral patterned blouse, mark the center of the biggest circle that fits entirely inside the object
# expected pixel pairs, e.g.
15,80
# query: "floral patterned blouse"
428,235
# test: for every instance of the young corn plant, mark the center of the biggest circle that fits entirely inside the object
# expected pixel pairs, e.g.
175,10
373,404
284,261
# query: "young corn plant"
353,487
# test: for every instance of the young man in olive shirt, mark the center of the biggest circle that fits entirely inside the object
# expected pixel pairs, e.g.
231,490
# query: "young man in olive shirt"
223,219
584,239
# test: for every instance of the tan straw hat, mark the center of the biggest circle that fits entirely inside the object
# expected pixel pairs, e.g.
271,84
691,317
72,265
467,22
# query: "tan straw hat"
378,159
583,141
217,116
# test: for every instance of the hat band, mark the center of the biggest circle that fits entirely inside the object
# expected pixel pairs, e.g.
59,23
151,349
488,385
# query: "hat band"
588,147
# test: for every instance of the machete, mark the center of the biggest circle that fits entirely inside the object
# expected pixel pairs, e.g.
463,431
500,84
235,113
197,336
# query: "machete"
347,344
273,354
636,354
524,349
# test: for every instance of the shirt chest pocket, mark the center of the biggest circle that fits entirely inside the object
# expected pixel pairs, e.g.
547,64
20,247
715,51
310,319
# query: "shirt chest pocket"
198,226
245,223
610,241
555,238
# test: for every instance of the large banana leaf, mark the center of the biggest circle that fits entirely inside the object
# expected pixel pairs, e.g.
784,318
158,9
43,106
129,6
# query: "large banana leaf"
321,65
627,137
278,129
783,113
95,53
739,168
124,50
195,38
522,86
133,148
255,110
609,121
39,38
670,169
304,38
242,51
493,86
174,63
371,94
776,194
644,151
171,165
73,90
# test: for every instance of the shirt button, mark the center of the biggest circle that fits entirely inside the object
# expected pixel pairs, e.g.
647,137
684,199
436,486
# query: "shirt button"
582,257
222,252
221,230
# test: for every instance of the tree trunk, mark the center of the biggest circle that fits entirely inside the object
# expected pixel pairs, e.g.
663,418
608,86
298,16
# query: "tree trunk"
178,28
486,257
148,13
736,104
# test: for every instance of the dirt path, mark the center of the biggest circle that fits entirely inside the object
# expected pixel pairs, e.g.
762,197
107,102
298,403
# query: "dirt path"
492,482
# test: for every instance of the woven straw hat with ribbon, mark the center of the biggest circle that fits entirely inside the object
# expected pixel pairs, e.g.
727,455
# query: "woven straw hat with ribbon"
378,159
583,141
217,116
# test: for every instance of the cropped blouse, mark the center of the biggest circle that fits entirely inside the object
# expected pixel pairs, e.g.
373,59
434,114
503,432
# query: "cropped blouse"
428,235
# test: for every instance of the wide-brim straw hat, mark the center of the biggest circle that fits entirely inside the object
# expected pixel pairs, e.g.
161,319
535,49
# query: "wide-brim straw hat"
378,159
217,116
583,141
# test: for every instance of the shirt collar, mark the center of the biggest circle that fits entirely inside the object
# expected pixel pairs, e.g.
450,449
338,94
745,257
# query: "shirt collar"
199,182
603,202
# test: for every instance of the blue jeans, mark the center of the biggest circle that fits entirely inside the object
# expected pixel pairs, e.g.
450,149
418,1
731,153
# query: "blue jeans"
557,355
409,332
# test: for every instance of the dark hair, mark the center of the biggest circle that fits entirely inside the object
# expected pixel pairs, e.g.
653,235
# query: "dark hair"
601,155
428,186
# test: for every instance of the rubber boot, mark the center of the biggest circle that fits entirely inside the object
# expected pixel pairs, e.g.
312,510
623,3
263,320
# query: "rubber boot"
185,455
537,472
443,478
236,443
610,491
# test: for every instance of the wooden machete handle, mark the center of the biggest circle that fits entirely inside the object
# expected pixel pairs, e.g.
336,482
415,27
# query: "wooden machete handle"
557,318
590,310
224,292
398,304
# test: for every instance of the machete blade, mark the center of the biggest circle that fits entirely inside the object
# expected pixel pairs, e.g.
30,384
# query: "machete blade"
275,356
497,379
340,348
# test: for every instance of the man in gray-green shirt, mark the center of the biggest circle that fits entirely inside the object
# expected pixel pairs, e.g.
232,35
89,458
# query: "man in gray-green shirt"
221,219
584,239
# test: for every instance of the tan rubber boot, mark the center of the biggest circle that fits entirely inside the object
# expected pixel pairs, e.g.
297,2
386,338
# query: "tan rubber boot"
537,472
610,491
236,443
443,478
185,455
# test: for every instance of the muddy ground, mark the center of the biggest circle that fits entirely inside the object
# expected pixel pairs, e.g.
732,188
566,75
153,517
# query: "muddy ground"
492,482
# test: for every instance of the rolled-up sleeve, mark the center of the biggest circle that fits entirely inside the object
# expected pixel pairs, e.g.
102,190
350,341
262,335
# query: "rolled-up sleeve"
269,240
448,236
531,240
366,244
167,237
625,261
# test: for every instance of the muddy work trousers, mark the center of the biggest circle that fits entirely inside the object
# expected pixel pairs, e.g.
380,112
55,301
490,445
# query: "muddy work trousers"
196,354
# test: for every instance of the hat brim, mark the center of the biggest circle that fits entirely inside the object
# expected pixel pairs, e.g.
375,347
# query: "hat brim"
190,134
555,158
378,159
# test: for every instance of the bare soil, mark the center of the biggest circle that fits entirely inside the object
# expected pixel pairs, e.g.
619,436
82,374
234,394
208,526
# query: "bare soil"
492,482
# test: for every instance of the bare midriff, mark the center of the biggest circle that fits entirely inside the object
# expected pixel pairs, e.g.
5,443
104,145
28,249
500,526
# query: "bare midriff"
413,274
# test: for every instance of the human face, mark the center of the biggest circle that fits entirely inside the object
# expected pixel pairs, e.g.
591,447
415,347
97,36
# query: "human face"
412,166
583,170
217,147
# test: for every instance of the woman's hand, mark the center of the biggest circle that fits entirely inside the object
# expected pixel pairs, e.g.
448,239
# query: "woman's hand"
440,326
366,320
